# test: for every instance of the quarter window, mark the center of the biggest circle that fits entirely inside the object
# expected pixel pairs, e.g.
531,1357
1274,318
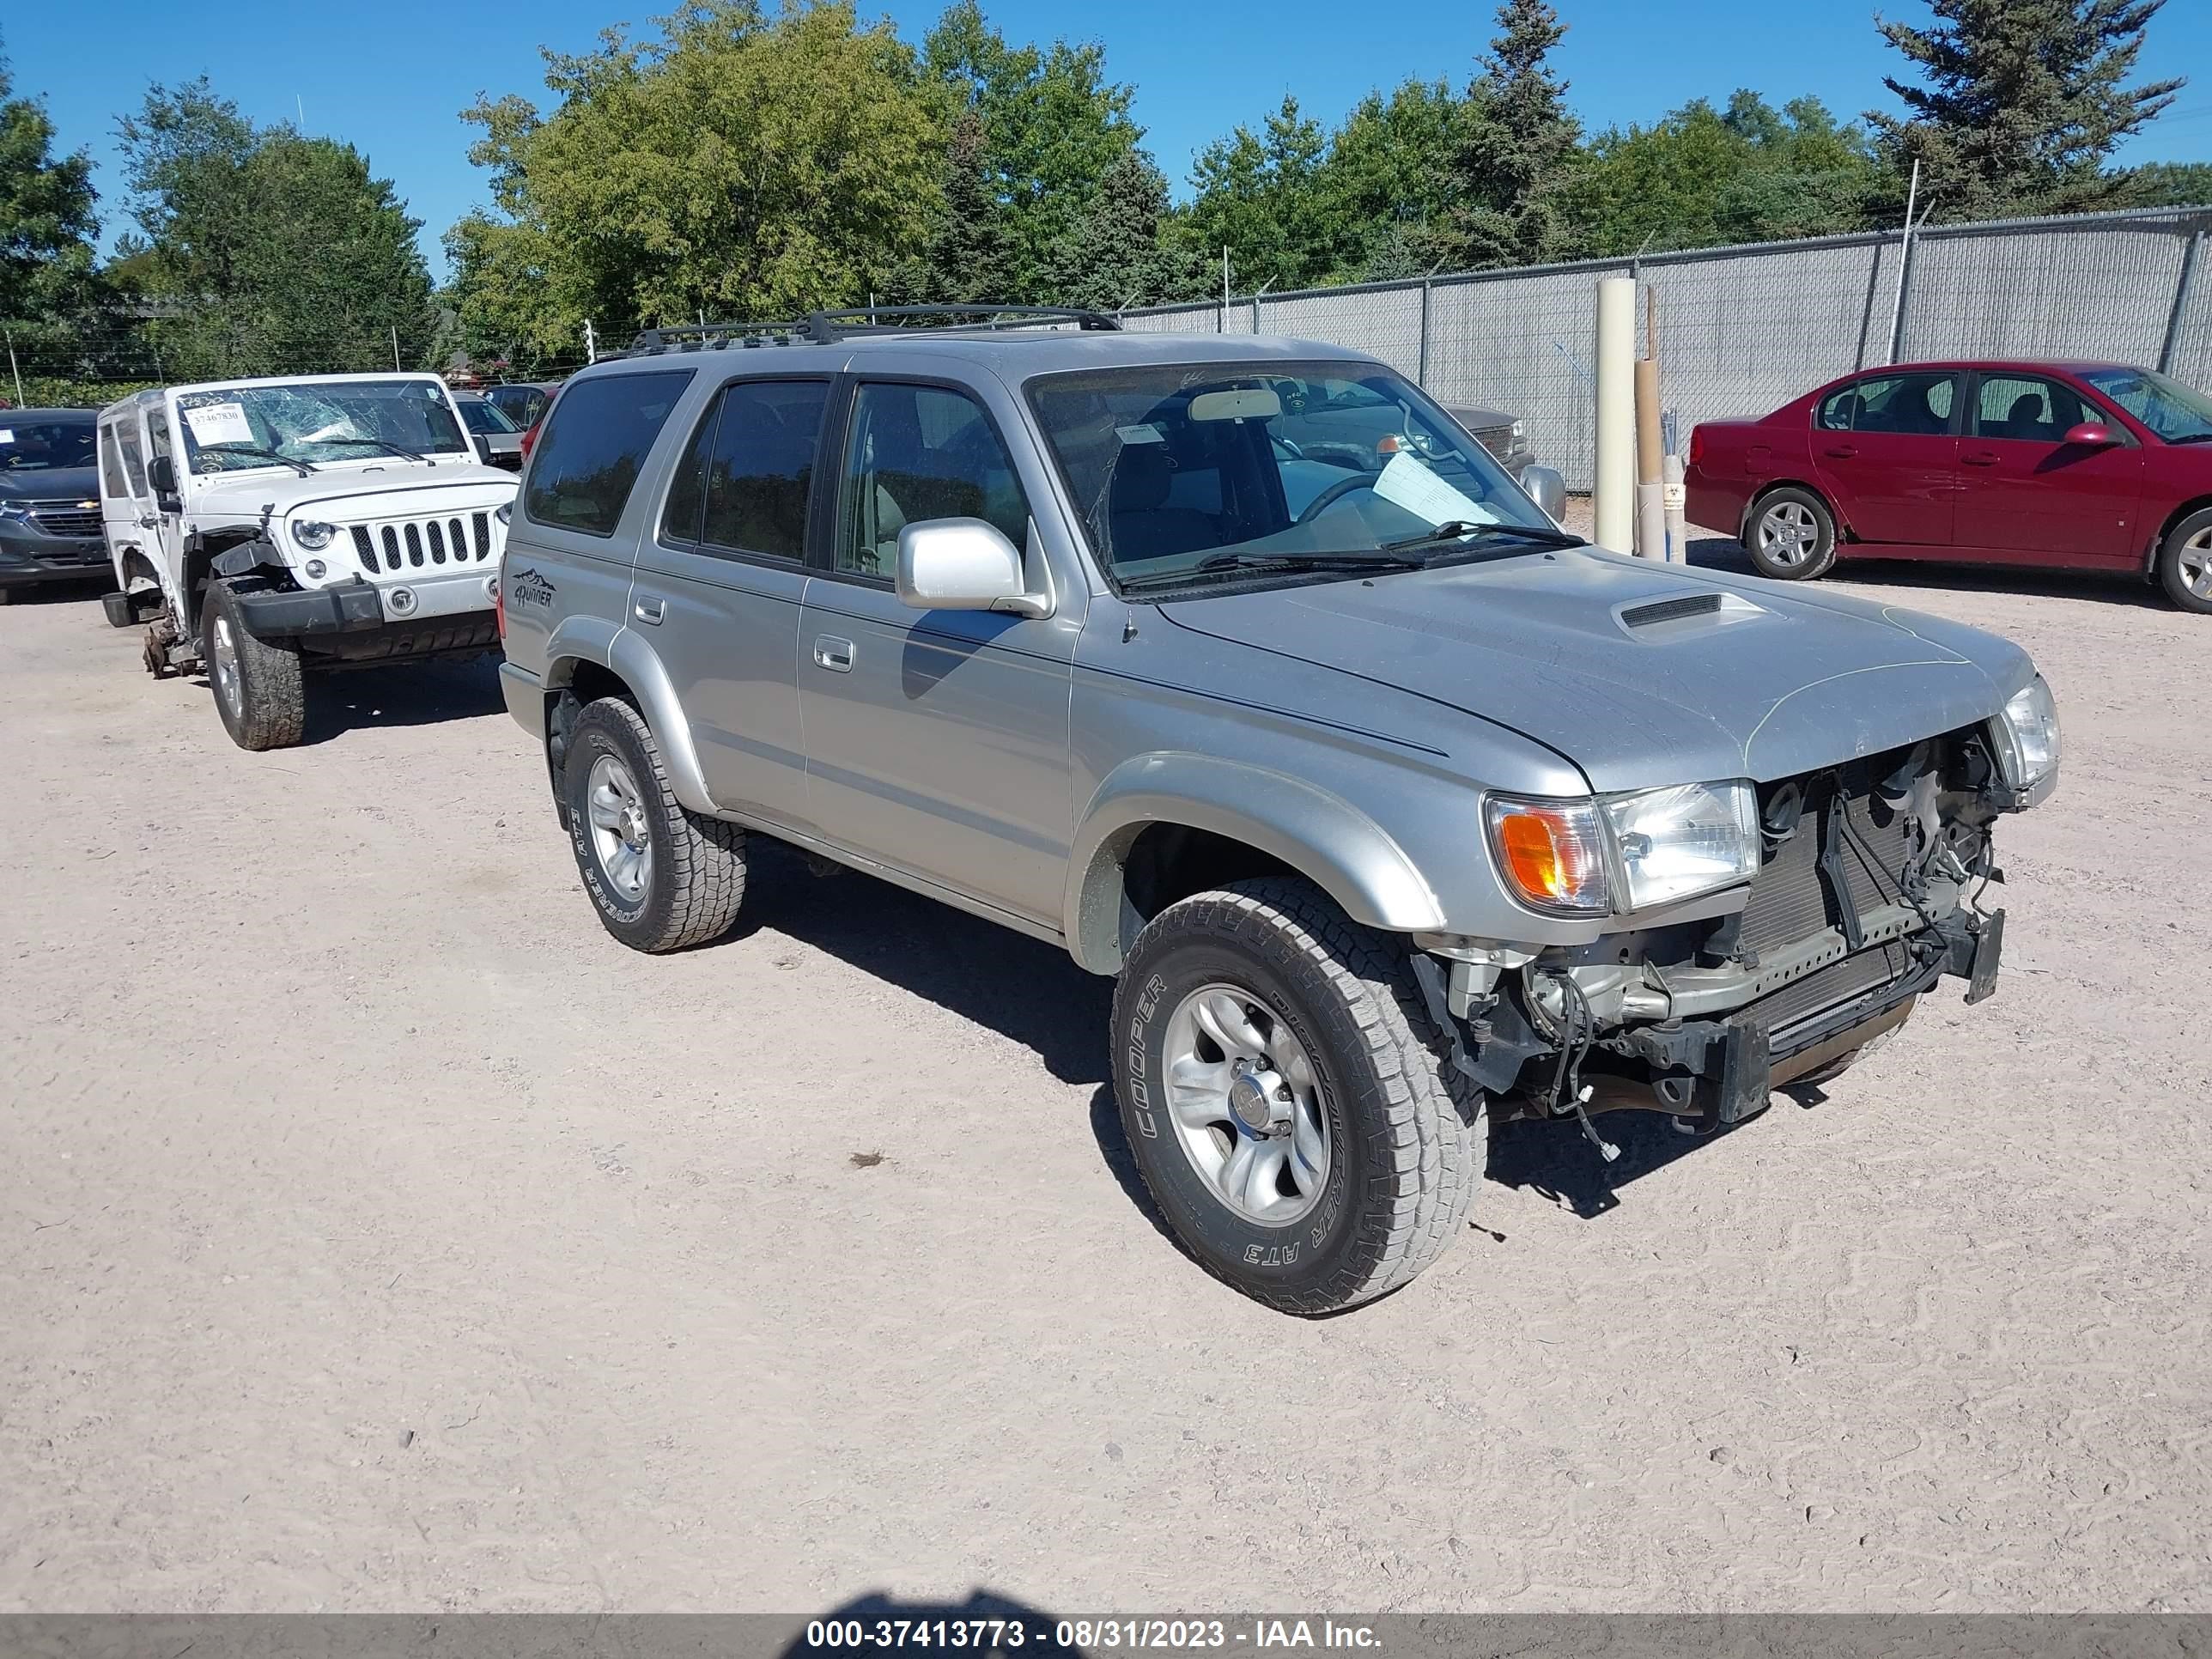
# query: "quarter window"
596,442
2026,408
1910,405
919,453
744,482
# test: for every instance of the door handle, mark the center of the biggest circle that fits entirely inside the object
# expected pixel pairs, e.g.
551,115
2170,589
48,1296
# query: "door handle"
1980,458
1841,452
650,611
833,653
149,521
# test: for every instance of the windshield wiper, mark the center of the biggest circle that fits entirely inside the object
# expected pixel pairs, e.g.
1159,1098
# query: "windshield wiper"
2192,438
298,466
1455,530
1264,562
384,444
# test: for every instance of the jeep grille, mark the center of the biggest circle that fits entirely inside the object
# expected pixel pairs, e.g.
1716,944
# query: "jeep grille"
413,544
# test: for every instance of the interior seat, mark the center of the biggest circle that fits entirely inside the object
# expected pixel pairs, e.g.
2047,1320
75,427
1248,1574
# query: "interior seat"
1143,525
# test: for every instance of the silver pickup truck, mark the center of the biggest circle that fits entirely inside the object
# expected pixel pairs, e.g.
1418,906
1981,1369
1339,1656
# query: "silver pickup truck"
1393,807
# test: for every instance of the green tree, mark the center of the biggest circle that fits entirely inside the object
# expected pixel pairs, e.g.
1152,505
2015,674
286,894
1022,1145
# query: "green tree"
2020,102
1518,146
46,219
2169,184
1258,194
1119,253
1052,126
1388,190
740,165
275,252
970,254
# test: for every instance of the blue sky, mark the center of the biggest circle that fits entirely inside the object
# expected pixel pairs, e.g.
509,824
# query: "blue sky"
391,78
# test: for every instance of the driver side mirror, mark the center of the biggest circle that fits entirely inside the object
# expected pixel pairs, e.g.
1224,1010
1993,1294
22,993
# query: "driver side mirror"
1547,488
2091,435
964,564
161,473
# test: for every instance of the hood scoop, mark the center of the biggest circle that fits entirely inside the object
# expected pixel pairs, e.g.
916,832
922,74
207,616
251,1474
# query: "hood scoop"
1651,620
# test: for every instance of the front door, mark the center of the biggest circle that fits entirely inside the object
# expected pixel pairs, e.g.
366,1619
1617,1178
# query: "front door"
1885,451
720,585
937,741
2027,496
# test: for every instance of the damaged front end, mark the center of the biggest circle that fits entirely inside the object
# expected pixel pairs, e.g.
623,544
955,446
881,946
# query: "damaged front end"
1868,889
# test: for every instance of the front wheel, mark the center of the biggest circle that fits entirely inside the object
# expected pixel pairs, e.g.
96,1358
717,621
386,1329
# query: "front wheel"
1287,1097
2185,562
260,689
1791,536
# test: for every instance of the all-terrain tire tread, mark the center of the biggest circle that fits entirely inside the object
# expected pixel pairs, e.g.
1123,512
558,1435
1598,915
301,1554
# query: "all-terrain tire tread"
276,681
707,856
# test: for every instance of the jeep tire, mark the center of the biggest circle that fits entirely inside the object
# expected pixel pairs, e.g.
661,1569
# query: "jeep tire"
1335,1023
662,878
260,689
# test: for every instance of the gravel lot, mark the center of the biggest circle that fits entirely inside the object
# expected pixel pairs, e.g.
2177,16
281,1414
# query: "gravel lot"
378,1234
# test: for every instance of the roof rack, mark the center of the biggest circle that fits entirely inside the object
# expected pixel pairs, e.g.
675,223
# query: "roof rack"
826,327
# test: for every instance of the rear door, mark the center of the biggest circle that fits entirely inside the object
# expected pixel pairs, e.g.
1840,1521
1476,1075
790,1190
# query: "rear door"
2026,496
721,581
1885,449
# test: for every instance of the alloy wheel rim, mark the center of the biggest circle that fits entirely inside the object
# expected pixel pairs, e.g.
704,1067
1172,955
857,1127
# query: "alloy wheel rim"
1245,1100
228,683
2195,562
620,838
1787,534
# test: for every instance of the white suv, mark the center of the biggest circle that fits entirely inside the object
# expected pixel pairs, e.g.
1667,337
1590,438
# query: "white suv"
265,528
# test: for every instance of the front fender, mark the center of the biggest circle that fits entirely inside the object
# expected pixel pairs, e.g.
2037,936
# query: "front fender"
1320,834
628,654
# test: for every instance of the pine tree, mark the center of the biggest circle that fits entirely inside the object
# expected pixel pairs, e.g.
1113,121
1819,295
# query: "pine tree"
970,256
2023,101
1116,256
1519,144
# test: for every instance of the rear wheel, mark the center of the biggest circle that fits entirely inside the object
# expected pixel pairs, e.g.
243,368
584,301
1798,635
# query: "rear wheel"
2185,562
1287,1097
260,688
1791,536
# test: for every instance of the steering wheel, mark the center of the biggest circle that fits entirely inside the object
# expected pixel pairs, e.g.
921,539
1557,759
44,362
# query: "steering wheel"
1333,493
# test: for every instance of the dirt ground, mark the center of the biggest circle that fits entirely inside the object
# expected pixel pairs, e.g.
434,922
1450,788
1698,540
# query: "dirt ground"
376,1233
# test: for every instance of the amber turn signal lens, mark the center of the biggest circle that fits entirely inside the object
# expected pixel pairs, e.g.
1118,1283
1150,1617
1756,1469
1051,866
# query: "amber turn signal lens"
1551,854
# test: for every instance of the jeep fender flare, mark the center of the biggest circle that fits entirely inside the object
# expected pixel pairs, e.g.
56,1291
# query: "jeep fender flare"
627,654
1321,836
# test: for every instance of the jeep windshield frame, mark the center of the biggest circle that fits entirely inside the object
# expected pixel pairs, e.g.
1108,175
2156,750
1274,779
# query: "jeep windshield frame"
315,423
1190,477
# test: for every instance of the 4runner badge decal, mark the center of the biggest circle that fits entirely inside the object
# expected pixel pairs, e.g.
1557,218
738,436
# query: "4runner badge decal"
528,587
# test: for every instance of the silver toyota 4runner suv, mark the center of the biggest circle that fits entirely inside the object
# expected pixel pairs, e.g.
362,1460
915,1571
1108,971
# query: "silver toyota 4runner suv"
1390,806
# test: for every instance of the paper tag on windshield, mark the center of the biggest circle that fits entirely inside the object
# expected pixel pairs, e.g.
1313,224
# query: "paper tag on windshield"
220,423
6,436
1406,483
1139,434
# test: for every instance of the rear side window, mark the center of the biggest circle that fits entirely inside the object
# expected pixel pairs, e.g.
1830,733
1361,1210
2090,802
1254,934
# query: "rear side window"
1907,405
111,464
596,441
743,484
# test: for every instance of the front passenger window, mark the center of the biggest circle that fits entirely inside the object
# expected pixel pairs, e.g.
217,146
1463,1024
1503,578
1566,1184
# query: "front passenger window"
919,453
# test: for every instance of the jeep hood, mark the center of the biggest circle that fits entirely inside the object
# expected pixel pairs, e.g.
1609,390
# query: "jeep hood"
357,492
1744,678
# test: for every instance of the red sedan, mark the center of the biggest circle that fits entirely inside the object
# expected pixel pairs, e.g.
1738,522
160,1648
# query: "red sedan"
2087,466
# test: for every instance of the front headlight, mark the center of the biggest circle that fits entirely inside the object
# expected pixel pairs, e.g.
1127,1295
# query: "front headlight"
14,509
313,534
1677,844
2026,738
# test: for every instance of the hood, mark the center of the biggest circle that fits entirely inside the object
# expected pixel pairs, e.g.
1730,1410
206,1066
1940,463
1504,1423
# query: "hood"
61,484
1642,675
353,493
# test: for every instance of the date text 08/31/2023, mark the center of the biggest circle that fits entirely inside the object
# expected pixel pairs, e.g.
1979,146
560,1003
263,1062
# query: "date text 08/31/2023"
989,1635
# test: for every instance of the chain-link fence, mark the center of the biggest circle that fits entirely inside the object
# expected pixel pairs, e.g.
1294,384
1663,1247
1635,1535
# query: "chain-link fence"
1745,329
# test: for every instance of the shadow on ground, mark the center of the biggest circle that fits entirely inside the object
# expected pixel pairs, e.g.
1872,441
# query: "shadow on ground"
1719,553
420,693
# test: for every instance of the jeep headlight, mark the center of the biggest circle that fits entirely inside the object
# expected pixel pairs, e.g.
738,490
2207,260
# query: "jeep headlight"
2024,735
313,534
1625,852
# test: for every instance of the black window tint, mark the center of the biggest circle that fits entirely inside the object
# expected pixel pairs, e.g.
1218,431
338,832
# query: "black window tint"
920,452
1909,405
599,436
679,517
2026,408
761,466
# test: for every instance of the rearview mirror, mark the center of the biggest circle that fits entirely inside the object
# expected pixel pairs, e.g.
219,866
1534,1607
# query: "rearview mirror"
1547,488
962,564
2091,435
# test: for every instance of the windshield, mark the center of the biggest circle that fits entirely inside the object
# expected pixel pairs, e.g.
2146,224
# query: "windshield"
43,445
240,428
485,419
1200,472
2165,406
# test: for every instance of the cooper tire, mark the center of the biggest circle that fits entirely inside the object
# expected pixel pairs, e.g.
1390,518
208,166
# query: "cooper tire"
1404,1130
2185,562
1790,535
260,688
684,881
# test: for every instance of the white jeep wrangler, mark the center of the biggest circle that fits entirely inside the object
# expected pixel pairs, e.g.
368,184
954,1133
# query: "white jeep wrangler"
266,528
